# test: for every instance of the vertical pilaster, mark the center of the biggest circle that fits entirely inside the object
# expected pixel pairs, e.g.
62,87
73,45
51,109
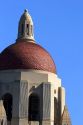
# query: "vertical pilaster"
48,104
15,108
61,99
23,103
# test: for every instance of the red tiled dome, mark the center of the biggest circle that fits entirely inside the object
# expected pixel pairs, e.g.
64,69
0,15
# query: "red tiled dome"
26,55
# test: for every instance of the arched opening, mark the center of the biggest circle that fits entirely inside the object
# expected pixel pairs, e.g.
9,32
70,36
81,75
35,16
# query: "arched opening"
2,122
34,108
22,29
27,29
7,102
55,111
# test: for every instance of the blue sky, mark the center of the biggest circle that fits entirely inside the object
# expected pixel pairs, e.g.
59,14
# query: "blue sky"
58,28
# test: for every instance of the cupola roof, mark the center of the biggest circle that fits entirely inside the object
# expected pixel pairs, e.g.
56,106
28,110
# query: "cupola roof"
25,53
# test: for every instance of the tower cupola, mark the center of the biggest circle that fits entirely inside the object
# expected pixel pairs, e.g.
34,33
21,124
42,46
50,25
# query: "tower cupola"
25,28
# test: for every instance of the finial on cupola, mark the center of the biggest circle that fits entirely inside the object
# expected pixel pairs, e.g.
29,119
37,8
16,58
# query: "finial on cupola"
25,28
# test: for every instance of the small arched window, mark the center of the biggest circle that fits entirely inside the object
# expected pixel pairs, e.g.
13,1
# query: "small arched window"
27,29
34,108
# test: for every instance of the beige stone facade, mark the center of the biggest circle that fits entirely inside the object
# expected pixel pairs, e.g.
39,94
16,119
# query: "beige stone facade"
21,84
